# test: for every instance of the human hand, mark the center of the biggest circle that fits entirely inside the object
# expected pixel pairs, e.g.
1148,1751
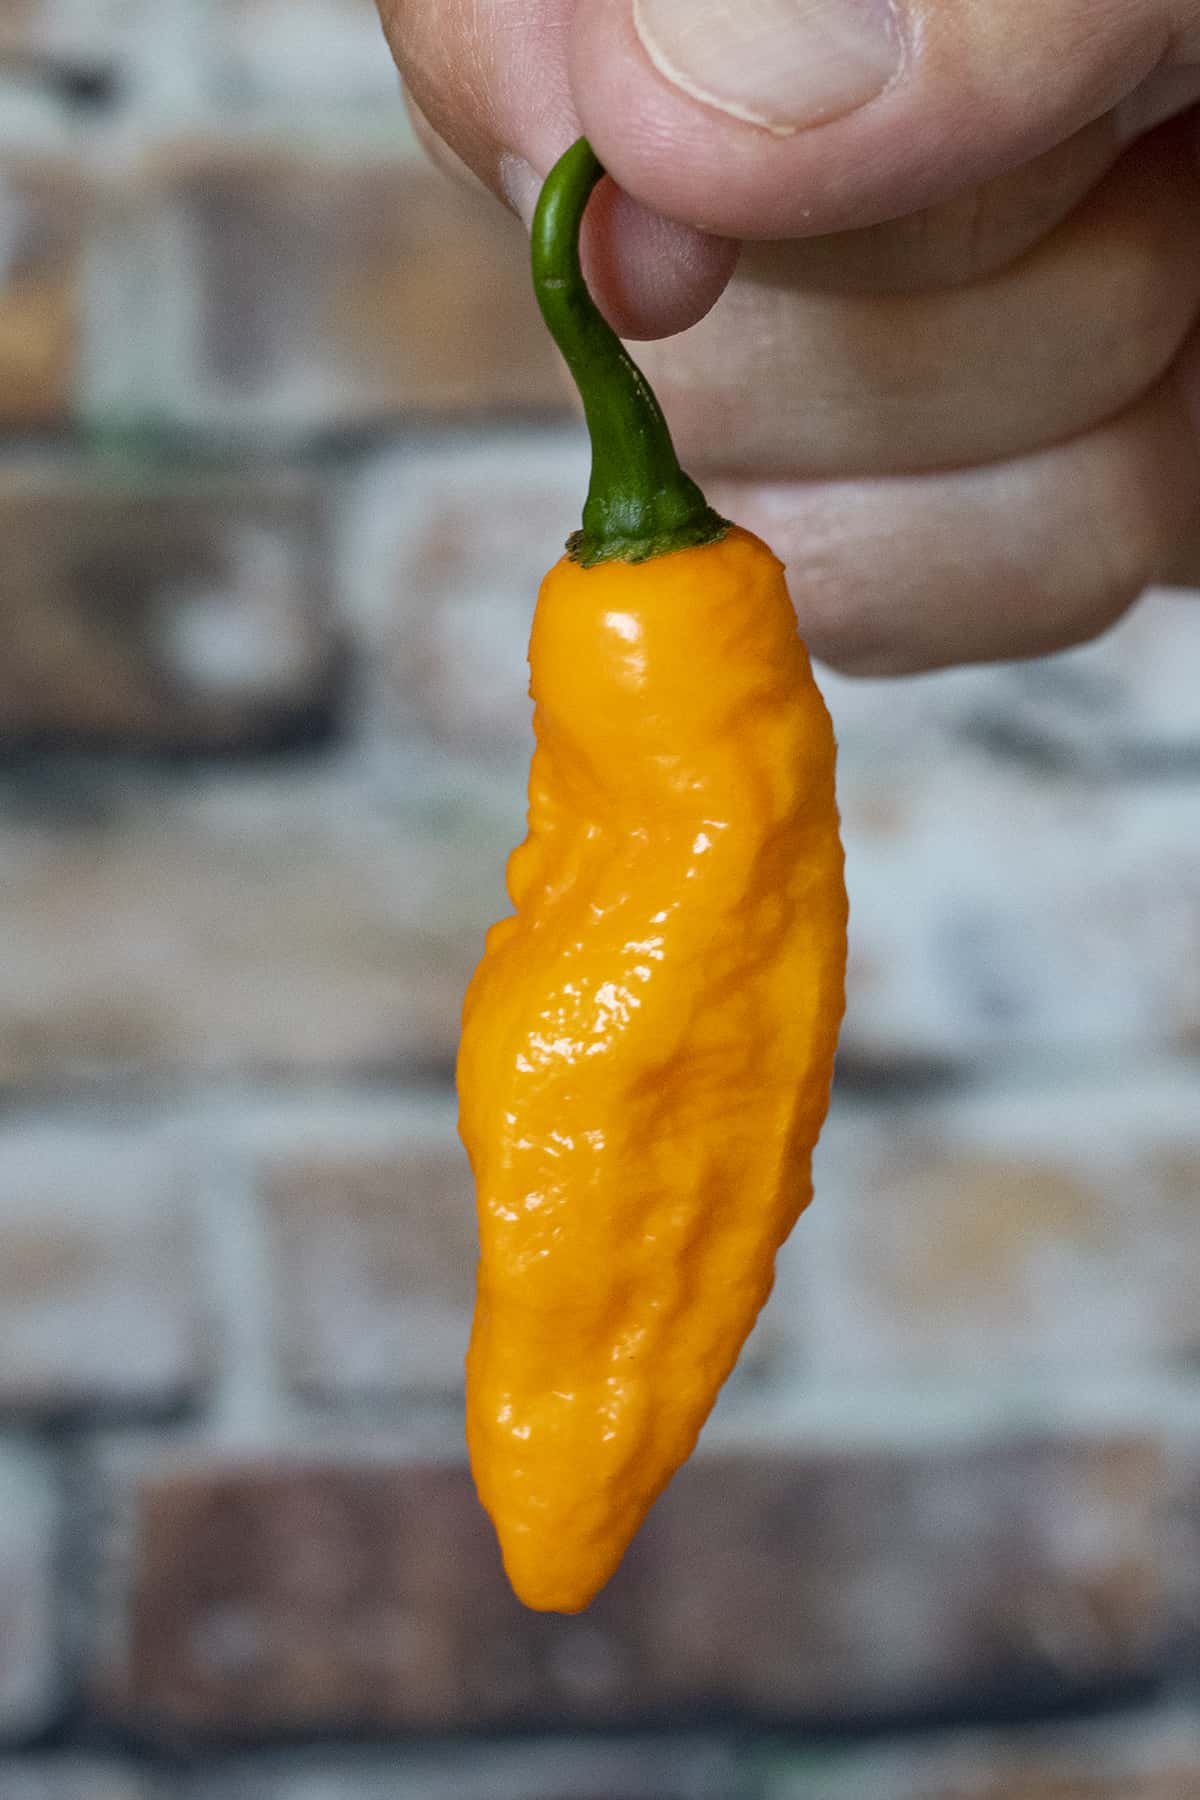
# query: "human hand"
955,380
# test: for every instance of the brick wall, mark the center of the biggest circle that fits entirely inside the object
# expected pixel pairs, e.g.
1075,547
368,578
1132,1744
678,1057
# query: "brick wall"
284,455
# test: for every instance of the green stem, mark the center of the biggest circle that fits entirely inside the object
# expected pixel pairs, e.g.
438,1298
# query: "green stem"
640,503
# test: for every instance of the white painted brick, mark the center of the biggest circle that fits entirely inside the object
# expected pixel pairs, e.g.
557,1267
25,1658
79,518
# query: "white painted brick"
443,547
290,282
1120,705
98,1285
994,913
328,53
1007,1229
373,1247
280,919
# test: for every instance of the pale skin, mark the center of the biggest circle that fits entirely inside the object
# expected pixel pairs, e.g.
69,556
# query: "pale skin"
954,378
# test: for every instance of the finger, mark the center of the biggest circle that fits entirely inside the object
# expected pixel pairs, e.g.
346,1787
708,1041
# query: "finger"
968,236
438,150
1161,97
652,277
489,95
895,576
780,118
1183,568
866,383
490,79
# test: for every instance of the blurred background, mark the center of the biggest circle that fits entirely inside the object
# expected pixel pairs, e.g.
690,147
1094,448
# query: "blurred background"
285,455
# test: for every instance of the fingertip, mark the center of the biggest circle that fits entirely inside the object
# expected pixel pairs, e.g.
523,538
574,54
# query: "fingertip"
439,152
651,276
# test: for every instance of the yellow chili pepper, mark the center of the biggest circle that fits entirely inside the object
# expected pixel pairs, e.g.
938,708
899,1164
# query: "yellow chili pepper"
648,1042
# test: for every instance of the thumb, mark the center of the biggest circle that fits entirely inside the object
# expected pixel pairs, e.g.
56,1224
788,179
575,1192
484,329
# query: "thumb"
785,118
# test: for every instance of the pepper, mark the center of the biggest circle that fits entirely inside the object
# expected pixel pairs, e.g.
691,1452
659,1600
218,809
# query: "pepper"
648,1042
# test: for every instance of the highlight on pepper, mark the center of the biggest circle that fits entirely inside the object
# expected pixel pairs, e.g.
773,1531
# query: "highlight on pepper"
648,1041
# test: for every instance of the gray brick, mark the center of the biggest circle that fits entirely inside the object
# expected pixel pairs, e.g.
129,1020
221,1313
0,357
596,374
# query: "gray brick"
31,1674
644,1769
73,1778
1131,1757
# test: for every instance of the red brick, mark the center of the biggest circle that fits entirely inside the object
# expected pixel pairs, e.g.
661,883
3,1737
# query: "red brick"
160,612
273,921
45,206
374,1259
853,1585
98,1285
988,1231
323,1595
311,1596
302,289
31,1674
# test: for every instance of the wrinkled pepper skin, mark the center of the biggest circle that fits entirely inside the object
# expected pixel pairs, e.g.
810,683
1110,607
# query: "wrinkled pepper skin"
648,1042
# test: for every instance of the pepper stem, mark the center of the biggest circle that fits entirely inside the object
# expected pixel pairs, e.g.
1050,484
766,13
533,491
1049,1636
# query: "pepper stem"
640,503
